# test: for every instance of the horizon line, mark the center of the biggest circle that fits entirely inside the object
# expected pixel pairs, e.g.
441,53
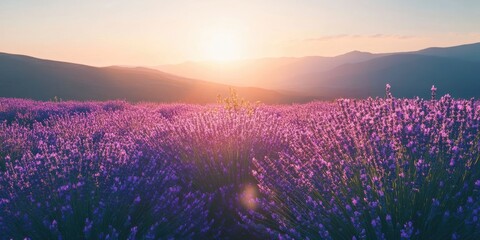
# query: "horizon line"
229,61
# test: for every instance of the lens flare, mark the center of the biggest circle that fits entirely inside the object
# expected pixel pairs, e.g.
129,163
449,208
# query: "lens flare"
248,197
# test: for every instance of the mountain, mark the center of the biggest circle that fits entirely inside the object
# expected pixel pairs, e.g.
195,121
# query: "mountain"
409,75
468,52
453,70
272,73
28,77
288,77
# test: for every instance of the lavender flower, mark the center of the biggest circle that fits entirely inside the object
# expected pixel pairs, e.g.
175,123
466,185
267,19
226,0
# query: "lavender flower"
352,169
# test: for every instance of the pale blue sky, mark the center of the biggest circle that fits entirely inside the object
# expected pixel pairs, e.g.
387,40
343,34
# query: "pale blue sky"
155,32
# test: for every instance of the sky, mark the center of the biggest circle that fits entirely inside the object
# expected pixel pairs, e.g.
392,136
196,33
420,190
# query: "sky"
154,32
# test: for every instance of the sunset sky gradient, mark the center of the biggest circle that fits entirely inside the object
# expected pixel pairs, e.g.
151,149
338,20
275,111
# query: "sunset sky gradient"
149,33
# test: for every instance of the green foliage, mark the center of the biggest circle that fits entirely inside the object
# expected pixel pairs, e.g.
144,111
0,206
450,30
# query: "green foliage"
234,103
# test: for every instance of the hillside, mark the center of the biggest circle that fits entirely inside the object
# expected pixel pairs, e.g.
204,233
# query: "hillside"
28,77
453,70
409,75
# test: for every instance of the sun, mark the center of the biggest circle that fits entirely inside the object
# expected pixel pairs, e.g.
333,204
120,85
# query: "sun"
223,46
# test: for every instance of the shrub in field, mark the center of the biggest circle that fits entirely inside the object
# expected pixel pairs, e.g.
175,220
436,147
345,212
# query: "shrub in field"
235,103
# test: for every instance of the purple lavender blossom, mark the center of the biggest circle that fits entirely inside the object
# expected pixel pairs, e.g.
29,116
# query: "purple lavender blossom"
352,169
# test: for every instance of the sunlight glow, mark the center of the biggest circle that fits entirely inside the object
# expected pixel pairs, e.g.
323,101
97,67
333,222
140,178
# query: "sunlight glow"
223,46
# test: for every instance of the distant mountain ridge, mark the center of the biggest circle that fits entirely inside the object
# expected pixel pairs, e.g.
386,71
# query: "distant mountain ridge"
271,73
454,70
409,74
39,79
468,52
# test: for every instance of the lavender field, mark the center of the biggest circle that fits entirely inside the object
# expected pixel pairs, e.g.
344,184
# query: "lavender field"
382,168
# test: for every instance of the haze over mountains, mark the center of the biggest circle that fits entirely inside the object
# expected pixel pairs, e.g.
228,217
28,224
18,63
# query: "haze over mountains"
27,77
453,70
274,73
